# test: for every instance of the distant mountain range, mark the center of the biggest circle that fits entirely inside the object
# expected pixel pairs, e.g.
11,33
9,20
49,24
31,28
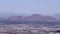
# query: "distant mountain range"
34,17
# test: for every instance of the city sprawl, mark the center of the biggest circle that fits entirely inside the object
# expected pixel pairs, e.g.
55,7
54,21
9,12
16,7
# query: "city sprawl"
28,29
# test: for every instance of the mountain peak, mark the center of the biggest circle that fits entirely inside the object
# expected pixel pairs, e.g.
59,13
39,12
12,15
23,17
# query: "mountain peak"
36,15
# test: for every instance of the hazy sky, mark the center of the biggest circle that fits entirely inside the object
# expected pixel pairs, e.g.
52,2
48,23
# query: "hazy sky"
24,7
